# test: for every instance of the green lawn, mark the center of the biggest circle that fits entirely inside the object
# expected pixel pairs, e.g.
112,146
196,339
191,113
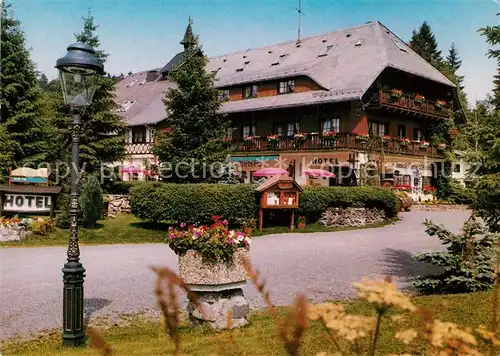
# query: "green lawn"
259,338
126,229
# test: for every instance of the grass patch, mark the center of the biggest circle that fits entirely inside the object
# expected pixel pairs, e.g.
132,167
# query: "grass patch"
259,337
127,229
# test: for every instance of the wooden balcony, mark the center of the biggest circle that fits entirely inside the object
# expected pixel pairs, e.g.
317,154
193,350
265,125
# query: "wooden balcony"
407,103
138,148
344,141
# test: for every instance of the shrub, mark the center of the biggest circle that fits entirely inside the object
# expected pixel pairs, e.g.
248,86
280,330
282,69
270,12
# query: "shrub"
193,203
487,202
197,203
459,194
91,201
43,227
119,187
315,200
467,262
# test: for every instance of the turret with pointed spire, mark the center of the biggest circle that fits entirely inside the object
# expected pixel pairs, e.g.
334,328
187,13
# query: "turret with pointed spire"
188,39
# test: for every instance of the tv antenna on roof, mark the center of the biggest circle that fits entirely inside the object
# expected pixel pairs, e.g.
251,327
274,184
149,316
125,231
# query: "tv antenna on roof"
299,10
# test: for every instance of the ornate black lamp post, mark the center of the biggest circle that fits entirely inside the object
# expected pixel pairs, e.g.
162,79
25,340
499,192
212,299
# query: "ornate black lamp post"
78,70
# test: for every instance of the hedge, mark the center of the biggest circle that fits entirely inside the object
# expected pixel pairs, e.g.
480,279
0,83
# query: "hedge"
193,203
197,203
315,200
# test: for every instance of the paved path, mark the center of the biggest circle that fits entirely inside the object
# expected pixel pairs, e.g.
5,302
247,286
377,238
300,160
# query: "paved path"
118,279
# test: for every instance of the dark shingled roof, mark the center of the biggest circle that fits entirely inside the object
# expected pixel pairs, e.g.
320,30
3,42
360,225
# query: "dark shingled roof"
173,63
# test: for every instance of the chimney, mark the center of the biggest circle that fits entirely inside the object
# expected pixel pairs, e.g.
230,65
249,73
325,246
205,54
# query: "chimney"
151,76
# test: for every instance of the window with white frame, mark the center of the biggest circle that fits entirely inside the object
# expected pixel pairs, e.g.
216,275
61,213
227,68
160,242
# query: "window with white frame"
286,86
250,91
326,50
331,125
139,134
248,130
278,130
417,135
379,128
224,94
292,128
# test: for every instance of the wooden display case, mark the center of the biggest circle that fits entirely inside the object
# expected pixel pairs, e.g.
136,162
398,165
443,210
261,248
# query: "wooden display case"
279,192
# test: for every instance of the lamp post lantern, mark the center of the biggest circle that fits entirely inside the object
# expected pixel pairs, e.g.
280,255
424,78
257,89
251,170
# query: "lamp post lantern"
78,71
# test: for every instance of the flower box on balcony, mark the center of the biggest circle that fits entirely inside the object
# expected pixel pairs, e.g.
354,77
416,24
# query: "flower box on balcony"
362,138
441,146
300,136
329,135
396,94
419,99
403,141
424,145
439,104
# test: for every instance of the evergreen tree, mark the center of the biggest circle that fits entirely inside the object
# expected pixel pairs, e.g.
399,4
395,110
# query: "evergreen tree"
196,129
43,81
424,43
492,34
453,58
23,132
102,138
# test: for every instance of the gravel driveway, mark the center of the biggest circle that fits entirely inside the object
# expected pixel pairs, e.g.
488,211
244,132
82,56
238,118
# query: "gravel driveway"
323,265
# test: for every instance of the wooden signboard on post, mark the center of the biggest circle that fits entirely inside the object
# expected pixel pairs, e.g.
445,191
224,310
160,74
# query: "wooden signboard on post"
279,192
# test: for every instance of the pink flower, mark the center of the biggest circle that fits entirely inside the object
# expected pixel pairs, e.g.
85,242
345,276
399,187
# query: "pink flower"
230,240
171,236
225,222
183,225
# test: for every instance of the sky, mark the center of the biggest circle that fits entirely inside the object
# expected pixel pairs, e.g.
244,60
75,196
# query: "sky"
145,34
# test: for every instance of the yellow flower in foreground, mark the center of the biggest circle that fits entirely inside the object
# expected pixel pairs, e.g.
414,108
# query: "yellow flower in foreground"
488,335
444,332
348,327
383,295
406,336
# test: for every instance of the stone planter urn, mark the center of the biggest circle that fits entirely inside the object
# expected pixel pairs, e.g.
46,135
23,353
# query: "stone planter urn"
218,287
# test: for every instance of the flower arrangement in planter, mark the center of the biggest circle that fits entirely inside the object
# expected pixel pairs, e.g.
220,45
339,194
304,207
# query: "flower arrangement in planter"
273,138
329,135
248,225
403,141
441,146
428,189
419,99
362,137
396,93
453,133
228,139
424,144
387,138
440,104
214,243
300,136
301,222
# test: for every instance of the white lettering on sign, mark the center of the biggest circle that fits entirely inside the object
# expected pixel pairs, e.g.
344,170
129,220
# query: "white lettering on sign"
27,203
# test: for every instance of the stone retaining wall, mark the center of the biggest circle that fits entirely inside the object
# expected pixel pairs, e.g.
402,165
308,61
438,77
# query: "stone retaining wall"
439,207
114,204
352,216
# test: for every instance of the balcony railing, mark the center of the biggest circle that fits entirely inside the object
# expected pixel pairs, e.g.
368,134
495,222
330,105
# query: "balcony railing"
343,141
409,103
139,148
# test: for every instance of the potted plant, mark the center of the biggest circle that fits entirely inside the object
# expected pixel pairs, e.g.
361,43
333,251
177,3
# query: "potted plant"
387,138
424,144
301,222
403,141
210,256
419,99
300,136
329,135
396,93
362,137
248,225
453,133
441,146
272,140
440,104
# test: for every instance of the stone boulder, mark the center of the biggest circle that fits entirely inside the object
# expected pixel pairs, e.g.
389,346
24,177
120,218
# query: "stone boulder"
352,216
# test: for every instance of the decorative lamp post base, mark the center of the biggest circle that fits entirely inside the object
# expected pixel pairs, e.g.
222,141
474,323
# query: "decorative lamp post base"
73,326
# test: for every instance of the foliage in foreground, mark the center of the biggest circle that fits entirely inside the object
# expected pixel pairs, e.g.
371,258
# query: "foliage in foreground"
345,333
467,262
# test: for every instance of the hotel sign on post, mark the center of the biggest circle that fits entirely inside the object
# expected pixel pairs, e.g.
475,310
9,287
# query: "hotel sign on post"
27,203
